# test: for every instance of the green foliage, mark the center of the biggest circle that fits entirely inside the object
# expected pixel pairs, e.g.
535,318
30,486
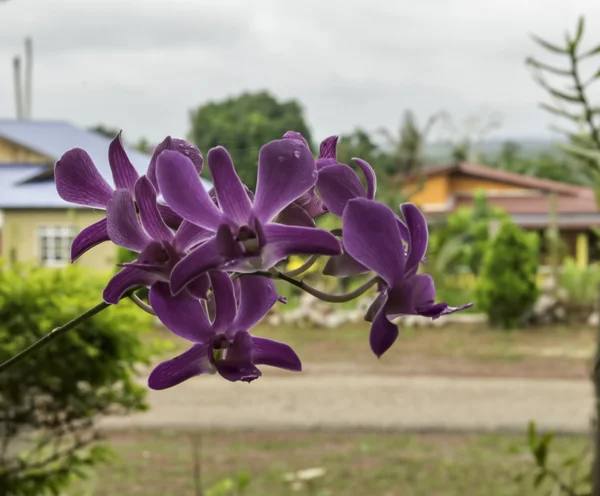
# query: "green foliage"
462,241
243,124
580,284
507,286
49,402
231,486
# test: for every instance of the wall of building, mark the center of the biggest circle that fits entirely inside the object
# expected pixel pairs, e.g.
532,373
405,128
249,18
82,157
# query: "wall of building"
20,235
466,184
434,192
11,153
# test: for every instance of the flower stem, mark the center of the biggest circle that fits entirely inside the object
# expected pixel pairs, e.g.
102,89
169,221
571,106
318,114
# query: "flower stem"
53,334
331,298
141,304
303,268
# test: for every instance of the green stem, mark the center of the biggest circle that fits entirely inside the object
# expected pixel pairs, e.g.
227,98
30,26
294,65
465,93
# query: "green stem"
53,334
304,267
141,304
330,298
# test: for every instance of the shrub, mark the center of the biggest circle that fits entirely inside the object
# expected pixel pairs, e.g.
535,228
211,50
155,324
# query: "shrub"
580,285
507,286
49,402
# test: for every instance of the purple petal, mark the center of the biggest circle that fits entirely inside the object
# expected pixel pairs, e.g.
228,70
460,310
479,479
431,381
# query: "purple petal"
294,215
78,180
338,184
297,136
145,196
199,287
181,314
401,299
171,219
257,296
91,236
372,237
206,257
193,362
311,202
383,334
122,223
231,193
377,304
275,354
237,365
283,241
183,191
225,303
124,280
286,170
328,147
404,233
123,172
418,236
370,177
178,145
343,266
189,235
423,290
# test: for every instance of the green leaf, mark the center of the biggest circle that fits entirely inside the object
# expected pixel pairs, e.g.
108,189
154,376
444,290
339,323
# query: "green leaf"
549,46
545,67
531,434
580,152
539,479
541,450
564,96
590,53
562,113
579,32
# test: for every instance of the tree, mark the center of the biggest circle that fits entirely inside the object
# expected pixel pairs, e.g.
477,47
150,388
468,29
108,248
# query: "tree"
507,286
109,132
242,124
408,145
359,144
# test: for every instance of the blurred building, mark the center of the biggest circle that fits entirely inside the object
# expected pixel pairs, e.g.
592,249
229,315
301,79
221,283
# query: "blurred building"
36,225
528,200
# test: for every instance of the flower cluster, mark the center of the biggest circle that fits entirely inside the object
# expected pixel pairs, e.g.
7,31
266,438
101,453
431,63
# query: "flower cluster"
209,258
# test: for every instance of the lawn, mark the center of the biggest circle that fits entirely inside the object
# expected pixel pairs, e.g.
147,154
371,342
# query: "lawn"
468,350
160,463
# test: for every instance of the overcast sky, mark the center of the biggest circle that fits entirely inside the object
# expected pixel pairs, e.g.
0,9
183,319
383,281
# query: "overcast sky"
141,65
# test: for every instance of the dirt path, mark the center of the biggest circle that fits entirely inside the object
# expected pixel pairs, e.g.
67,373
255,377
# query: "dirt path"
354,400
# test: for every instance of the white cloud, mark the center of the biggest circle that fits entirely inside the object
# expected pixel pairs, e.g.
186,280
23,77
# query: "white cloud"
143,65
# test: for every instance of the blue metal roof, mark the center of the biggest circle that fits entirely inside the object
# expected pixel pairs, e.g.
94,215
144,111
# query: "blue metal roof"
52,139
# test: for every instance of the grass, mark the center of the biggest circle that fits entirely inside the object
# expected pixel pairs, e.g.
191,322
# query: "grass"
160,463
553,352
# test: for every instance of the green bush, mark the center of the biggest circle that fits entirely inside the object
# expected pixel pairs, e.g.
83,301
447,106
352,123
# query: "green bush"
507,286
580,284
50,401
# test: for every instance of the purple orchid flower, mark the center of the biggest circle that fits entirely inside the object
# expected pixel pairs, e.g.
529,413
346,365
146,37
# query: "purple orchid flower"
79,181
159,248
245,239
224,345
372,236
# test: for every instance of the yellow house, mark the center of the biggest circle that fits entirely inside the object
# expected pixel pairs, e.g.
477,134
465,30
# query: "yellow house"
529,201
36,225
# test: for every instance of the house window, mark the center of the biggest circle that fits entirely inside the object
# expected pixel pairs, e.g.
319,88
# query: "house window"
55,245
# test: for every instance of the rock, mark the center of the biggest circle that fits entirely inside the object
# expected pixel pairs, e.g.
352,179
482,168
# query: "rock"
592,321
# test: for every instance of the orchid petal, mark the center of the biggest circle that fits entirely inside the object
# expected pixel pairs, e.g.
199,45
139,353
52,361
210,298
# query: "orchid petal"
189,235
372,237
418,236
183,191
178,145
122,223
231,193
370,177
91,236
193,362
383,333
343,266
123,172
237,365
145,196
276,354
171,219
124,280
338,184
181,314
257,296
295,215
199,287
328,147
297,136
286,170
78,180
283,241
225,303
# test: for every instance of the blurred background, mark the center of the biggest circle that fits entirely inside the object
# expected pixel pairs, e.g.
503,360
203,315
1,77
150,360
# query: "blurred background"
484,114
